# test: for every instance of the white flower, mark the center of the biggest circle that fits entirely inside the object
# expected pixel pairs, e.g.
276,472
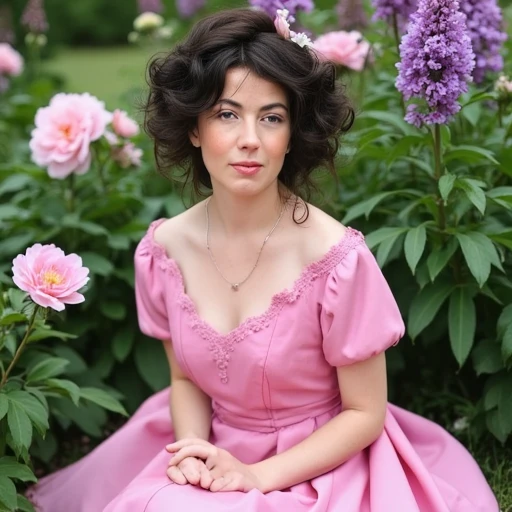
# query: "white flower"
147,21
460,424
301,39
503,85
165,32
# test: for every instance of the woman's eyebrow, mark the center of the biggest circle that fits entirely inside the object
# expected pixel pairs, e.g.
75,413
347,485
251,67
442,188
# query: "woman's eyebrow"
264,108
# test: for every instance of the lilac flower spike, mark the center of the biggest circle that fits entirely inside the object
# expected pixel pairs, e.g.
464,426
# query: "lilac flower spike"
150,6
351,15
187,8
436,61
388,9
292,6
484,22
34,17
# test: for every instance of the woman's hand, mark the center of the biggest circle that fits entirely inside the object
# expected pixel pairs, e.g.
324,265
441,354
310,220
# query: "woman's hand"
227,472
190,470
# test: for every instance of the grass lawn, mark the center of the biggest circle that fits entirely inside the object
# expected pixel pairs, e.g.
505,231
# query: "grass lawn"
114,75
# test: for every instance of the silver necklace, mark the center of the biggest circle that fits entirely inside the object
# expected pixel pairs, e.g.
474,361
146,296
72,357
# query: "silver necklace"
236,286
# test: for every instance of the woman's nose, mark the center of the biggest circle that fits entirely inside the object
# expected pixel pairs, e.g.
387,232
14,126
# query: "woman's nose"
249,138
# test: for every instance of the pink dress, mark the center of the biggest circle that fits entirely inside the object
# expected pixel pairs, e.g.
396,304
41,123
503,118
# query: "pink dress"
273,382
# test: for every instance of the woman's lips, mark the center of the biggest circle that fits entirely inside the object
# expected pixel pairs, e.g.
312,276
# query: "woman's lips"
246,170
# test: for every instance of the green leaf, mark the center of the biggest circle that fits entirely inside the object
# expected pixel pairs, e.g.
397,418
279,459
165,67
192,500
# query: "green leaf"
445,185
439,258
478,262
11,317
385,248
8,493
113,309
122,343
103,399
487,247
391,118
495,424
506,345
24,505
425,305
504,320
73,221
47,368
496,399
461,323
470,154
42,333
414,246
19,425
11,468
37,413
66,387
486,357
500,192
14,183
473,192
383,234
151,363
97,263
4,405
16,298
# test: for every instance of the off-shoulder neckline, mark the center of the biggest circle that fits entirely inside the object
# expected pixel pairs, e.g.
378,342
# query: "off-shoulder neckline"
350,239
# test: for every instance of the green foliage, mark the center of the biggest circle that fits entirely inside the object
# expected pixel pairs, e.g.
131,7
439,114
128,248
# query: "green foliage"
30,376
436,204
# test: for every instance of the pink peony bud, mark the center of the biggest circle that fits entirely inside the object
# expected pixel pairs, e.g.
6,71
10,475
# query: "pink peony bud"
347,49
64,131
281,23
127,155
123,125
49,276
11,62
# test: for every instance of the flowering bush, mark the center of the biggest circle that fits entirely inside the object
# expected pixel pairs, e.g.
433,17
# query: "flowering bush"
347,49
31,378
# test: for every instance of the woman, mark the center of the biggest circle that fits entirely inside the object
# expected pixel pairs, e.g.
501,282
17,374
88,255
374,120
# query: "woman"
274,316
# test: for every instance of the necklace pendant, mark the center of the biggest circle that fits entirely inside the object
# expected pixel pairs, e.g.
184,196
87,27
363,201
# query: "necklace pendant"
234,287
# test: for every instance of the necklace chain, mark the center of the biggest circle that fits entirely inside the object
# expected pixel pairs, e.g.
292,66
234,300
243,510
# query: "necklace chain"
236,286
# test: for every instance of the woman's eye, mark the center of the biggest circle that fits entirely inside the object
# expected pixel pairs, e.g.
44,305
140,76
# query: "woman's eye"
273,119
226,115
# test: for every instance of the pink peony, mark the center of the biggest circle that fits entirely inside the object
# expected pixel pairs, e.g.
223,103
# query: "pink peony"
123,125
49,276
11,62
127,155
64,131
347,49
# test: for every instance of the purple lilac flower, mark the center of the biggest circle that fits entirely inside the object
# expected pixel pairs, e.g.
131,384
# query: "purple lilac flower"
150,6
484,22
271,6
188,8
34,17
388,9
436,61
351,15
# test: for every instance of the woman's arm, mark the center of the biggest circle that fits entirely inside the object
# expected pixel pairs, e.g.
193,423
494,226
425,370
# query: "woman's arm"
191,408
363,389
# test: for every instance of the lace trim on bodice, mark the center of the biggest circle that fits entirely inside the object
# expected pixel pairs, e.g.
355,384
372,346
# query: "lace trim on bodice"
221,345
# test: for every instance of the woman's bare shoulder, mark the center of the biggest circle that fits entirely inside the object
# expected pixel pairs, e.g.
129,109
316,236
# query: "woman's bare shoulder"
179,231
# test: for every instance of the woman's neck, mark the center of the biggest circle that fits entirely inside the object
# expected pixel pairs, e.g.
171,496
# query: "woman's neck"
236,216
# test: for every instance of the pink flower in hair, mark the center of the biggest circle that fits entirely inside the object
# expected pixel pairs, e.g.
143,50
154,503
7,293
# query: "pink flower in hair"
282,24
49,276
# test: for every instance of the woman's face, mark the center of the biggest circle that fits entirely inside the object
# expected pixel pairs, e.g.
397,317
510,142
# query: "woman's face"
245,136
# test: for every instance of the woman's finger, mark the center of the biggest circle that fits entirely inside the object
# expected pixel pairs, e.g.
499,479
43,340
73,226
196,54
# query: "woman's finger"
176,475
201,452
218,484
206,478
178,445
190,470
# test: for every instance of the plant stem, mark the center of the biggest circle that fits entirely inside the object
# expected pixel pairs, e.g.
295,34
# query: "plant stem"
438,173
71,193
23,343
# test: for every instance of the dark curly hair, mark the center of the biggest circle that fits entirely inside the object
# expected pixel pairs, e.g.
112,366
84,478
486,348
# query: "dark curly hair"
190,80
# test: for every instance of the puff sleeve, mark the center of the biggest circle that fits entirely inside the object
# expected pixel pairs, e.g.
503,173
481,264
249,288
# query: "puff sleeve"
359,317
150,294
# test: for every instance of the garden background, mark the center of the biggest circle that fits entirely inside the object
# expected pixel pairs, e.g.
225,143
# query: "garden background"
434,201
